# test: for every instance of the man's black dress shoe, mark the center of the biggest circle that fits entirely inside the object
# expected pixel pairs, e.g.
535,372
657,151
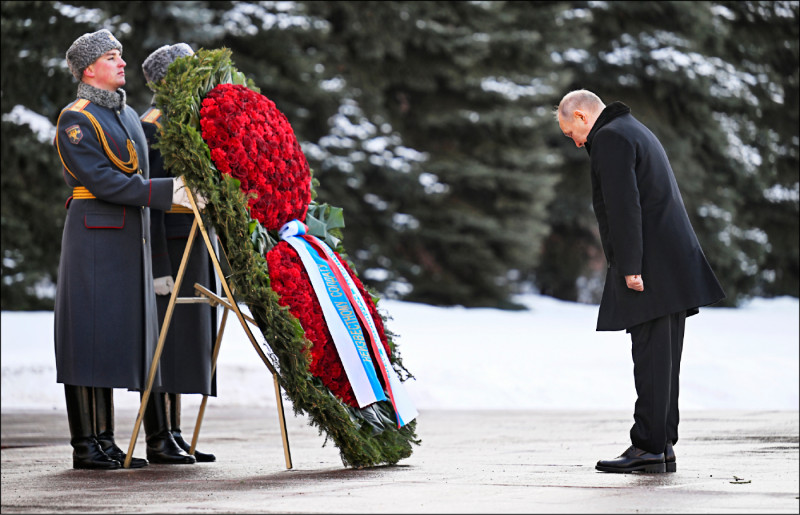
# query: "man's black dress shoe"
633,460
669,458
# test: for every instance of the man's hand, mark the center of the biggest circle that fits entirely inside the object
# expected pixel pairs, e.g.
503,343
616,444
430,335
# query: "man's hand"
634,282
181,197
163,285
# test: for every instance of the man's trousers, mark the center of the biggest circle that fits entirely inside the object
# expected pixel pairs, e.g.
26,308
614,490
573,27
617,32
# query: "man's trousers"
656,348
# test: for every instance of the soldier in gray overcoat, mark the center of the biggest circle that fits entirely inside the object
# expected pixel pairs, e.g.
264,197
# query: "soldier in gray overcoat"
657,272
105,314
186,360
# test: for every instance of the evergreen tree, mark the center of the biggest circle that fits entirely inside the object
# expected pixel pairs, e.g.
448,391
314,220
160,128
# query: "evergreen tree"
689,72
762,38
467,85
36,84
431,124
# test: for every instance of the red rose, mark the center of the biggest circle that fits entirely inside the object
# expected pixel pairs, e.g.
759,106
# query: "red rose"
240,127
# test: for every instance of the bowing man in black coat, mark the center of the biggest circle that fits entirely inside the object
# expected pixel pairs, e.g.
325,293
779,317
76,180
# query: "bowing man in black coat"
657,273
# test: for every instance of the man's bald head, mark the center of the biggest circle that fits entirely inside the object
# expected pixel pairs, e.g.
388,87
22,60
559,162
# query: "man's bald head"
576,114
582,99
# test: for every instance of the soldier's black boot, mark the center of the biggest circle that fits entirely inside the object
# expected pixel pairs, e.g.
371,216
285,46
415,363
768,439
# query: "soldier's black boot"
86,451
174,404
104,423
161,446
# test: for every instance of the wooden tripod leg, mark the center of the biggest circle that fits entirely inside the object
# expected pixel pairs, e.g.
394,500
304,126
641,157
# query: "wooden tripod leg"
287,455
243,322
160,346
202,411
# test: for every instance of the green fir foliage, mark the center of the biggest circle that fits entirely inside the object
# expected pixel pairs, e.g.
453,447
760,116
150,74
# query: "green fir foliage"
717,82
429,123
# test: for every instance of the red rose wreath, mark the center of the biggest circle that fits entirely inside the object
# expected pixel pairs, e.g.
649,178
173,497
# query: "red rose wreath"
251,140
234,146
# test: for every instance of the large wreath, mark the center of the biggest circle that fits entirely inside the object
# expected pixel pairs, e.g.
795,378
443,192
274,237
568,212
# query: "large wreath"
237,149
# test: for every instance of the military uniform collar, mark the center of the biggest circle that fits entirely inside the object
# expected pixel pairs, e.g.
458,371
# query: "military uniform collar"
110,99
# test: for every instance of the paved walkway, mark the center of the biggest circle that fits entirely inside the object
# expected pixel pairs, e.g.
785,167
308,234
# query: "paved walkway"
469,462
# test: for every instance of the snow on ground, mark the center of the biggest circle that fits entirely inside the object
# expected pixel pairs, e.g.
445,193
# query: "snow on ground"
549,357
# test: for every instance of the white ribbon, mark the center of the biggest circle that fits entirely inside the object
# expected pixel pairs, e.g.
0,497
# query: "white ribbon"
403,405
343,324
353,350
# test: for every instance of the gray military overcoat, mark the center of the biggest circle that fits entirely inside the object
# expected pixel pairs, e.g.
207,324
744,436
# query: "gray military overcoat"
186,361
105,310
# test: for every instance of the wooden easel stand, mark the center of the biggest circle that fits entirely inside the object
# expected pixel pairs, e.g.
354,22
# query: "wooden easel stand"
209,297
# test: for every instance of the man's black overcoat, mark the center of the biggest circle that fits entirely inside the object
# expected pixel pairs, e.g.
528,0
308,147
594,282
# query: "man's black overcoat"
644,228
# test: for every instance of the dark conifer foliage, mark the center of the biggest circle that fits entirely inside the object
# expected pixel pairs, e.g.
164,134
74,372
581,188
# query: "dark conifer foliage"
718,84
431,124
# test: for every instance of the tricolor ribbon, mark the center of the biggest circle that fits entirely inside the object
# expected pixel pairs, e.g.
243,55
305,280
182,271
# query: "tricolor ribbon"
343,307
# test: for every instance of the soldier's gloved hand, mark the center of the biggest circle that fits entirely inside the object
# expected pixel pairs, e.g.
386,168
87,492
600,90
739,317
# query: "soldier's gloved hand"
163,285
180,195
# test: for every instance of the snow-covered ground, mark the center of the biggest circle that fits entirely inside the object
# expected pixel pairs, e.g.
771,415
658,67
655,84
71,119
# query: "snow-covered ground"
549,357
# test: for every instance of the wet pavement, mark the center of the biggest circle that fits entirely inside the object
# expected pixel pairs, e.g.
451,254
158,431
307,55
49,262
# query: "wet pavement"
468,462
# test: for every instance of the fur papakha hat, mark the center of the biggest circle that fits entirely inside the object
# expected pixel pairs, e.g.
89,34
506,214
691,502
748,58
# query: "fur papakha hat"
87,48
156,64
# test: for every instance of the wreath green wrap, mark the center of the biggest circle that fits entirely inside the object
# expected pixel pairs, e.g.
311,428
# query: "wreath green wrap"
362,436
